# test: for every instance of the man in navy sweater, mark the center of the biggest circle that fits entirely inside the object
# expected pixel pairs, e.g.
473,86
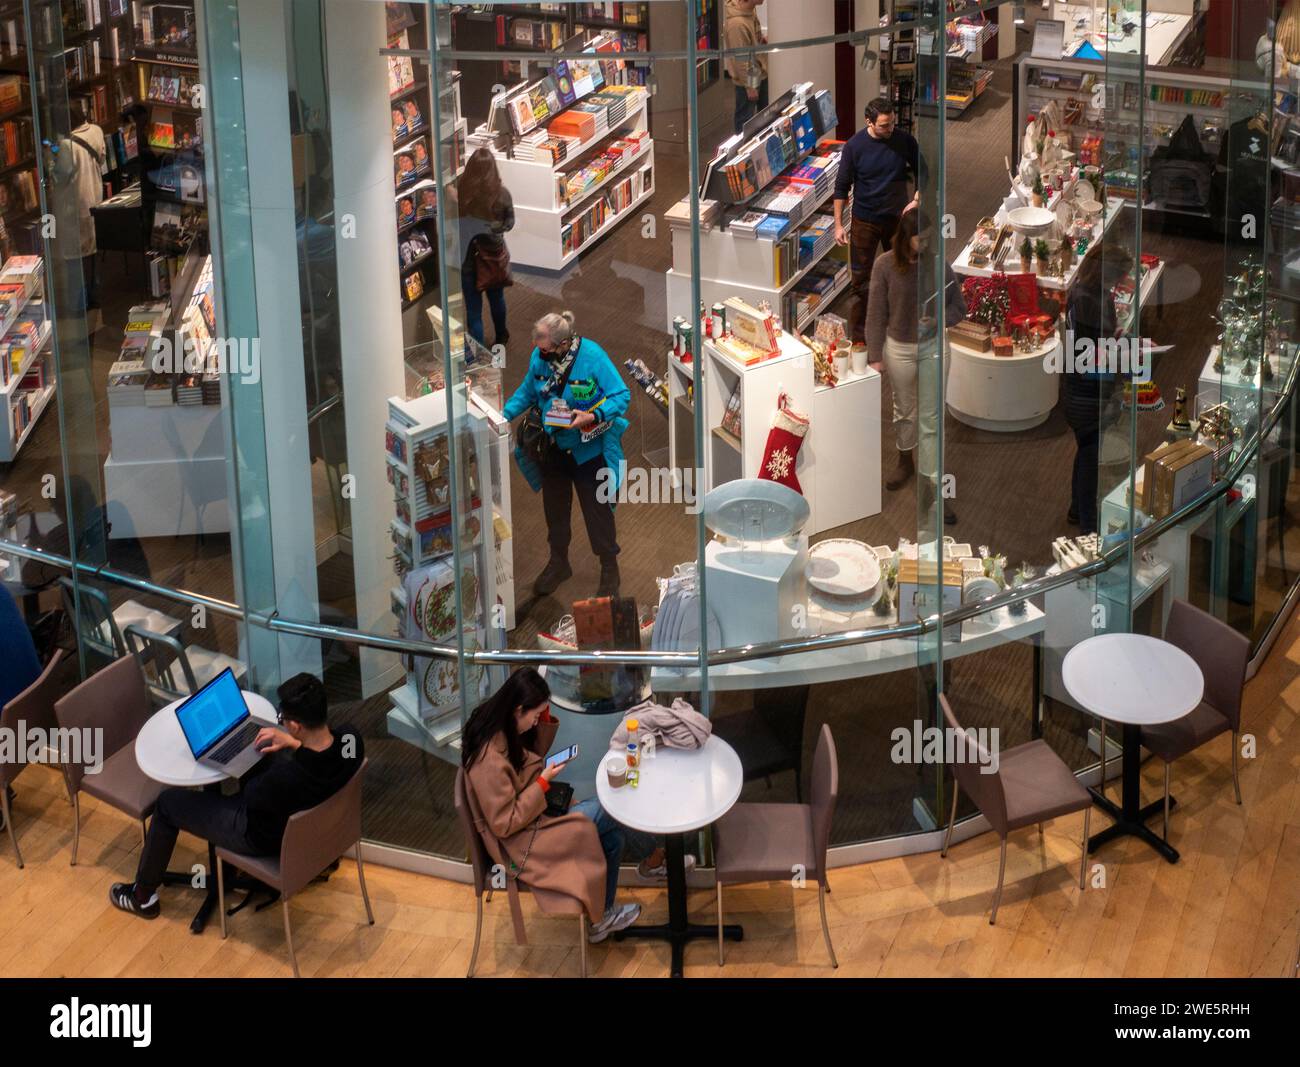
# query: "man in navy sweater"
876,163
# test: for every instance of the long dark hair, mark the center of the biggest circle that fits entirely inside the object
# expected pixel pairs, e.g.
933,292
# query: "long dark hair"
480,186
909,226
523,689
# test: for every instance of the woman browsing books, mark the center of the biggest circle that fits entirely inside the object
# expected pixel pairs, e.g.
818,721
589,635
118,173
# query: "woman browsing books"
573,402
486,213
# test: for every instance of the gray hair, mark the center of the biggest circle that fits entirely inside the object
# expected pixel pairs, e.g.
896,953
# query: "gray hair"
557,327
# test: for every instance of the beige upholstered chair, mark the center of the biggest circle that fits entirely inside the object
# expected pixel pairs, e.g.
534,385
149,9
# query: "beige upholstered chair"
313,840
1222,654
1032,784
116,701
34,707
767,842
548,901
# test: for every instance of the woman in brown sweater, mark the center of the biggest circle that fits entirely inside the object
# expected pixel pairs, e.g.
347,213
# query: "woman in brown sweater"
901,324
503,751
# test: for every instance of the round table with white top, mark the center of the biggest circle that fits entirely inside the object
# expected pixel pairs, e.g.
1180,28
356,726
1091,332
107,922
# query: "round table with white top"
1136,681
680,791
163,754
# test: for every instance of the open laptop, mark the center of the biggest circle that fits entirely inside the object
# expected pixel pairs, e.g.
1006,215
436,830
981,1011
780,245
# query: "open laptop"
217,724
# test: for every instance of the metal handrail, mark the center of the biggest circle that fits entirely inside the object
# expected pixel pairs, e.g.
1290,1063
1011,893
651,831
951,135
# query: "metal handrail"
1106,560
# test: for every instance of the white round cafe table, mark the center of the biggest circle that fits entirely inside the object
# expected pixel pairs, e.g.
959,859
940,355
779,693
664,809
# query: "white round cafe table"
681,790
164,755
162,752
1136,681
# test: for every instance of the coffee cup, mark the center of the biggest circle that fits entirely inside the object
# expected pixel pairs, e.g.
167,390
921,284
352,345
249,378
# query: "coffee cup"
859,358
841,366
617,771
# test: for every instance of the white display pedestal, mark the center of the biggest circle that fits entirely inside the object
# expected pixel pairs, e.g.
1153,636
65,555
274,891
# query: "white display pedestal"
166,473
760,583
839,464
1001,393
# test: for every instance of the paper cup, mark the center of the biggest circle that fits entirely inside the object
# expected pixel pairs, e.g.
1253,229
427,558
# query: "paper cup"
859,357
841,366
617,771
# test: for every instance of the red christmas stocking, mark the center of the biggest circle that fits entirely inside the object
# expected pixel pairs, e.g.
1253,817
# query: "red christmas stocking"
784,440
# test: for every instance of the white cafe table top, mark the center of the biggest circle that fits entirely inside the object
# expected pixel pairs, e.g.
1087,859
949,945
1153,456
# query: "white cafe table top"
1132,678
164,755
681,790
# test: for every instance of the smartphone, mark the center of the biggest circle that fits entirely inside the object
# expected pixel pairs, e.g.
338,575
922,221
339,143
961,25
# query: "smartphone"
563,756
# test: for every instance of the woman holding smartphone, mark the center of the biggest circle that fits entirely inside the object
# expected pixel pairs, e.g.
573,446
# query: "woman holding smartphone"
503,751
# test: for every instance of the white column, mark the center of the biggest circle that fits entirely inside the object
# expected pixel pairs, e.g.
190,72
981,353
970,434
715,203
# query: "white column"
264,72
370,328
797,21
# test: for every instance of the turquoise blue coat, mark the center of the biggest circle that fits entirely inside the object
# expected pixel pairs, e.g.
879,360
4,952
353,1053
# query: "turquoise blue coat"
594,385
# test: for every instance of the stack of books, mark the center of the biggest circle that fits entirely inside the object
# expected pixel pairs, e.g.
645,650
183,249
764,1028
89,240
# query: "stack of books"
158,390
126,382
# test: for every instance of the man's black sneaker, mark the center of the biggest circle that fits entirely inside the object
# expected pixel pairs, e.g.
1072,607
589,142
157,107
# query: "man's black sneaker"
557,571
122,895
609,578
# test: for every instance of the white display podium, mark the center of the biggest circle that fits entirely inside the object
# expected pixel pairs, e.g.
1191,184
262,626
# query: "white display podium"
1002,394
760,583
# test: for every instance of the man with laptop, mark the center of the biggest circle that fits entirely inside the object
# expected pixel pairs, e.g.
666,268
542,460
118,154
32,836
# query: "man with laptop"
293,768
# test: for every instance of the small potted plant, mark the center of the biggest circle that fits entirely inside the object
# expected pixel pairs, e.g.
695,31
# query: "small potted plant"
1027,254
888,581
1023,574
1044,255
1038,191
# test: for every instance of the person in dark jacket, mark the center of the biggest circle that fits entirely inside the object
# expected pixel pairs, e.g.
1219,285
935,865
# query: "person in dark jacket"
306,763
487,211
1090,314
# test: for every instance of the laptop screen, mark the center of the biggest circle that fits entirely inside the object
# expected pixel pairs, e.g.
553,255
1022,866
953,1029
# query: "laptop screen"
211,712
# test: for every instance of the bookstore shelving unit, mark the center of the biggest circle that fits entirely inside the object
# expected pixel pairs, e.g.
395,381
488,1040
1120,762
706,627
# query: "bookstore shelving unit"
520,32
791,260
165,54
558,213
426,711
963,43
27,370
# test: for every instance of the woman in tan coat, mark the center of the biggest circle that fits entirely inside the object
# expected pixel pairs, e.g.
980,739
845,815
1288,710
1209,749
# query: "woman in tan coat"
503,751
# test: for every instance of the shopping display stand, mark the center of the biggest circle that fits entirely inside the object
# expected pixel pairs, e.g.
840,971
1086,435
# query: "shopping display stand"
27,374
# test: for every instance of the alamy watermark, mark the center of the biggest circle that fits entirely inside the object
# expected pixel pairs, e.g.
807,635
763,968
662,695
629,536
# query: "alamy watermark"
235,356
36,744
1126,356
946,746
650,485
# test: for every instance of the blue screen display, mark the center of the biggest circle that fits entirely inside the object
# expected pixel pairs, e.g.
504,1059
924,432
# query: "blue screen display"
211,712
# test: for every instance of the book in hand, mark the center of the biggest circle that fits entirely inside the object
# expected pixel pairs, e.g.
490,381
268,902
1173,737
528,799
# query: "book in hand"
560,414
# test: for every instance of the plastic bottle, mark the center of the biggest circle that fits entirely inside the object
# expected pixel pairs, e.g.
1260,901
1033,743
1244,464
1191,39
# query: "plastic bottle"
633,752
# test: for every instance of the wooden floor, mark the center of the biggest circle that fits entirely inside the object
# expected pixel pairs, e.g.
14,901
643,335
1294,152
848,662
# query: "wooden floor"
1230,908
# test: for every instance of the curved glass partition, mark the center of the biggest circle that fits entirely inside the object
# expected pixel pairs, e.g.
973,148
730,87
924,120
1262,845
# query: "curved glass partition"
898,348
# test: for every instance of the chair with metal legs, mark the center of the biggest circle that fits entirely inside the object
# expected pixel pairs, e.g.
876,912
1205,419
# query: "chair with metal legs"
313,840
549,901
1223,655
34,707
1030,785
766,842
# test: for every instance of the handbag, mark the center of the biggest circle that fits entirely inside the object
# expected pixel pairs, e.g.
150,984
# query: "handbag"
530,431
492,265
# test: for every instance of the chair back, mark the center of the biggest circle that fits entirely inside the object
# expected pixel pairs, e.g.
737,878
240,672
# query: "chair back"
1222,654
164,662
479,859
984,789
825,790
113,700
34,707
316,837
92,618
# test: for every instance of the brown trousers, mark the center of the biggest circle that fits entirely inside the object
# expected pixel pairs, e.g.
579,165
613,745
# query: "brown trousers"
866,241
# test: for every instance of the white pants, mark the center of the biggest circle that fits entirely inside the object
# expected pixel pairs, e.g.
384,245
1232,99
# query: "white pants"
902,364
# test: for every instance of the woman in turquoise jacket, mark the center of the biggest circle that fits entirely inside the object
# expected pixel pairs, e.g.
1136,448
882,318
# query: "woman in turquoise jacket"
586,455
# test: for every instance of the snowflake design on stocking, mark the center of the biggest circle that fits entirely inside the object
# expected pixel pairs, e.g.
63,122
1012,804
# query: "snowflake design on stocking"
779,464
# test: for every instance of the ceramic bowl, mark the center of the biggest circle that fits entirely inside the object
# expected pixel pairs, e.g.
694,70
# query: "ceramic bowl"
1031,221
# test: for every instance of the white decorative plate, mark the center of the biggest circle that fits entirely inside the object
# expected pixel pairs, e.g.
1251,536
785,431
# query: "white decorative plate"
755,509
843,567
979,588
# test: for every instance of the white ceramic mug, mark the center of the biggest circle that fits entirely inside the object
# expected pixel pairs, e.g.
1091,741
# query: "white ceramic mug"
859,356
841,366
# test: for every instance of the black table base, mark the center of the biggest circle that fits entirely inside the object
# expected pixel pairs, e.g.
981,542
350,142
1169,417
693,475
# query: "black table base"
1131,818
678,931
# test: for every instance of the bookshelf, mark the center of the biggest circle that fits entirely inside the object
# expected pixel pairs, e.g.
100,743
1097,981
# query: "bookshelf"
27,369
170,140
768,237
518,31
963,44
